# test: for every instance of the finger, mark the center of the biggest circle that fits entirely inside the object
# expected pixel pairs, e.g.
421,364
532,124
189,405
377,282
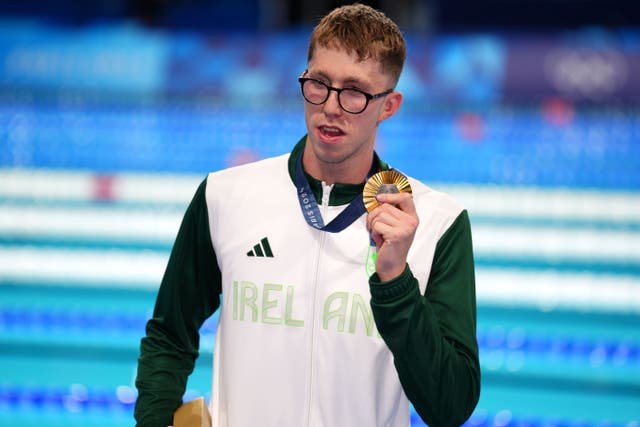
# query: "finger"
374,215
403,201
394,215
386,213
383,230
377,239
393,224
392,230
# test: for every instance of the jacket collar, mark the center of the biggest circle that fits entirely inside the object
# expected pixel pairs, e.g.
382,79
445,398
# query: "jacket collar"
341,193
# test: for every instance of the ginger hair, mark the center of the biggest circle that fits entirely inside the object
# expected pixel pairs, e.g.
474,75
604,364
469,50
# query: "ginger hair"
365,31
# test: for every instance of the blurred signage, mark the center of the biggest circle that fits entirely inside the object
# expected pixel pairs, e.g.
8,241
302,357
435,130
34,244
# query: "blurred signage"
593,73
102,58
440,68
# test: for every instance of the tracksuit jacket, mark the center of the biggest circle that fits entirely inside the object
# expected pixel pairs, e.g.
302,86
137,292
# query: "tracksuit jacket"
307,333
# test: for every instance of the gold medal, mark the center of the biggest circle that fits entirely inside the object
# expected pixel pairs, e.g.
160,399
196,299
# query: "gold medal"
389,181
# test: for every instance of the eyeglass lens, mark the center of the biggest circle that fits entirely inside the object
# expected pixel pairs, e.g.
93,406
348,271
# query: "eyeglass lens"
350,100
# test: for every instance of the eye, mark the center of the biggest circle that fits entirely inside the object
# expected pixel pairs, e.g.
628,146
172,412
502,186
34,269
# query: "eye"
317,84
319,79
355,88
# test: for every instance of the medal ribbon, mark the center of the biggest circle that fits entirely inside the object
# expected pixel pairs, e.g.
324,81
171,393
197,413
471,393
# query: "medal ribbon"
311,211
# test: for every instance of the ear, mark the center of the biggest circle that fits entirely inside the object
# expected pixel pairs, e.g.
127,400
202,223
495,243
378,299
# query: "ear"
391,105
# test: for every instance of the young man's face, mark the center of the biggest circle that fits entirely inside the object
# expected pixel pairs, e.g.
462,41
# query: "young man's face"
338,139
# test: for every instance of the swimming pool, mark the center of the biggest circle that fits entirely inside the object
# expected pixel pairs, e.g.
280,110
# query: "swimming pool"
91,199
559,333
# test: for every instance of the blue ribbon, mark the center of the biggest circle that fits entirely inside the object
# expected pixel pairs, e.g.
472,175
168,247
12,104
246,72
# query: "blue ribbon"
311,211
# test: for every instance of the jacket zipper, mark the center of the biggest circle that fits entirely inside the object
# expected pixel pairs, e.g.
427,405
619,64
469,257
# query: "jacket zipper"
326,190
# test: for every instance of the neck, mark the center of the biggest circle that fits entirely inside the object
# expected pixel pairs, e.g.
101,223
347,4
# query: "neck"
330,173
339,174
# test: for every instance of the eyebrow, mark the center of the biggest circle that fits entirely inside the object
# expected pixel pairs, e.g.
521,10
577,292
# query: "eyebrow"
349,81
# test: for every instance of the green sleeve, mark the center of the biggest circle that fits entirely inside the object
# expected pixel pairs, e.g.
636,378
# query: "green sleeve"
433,336
188,295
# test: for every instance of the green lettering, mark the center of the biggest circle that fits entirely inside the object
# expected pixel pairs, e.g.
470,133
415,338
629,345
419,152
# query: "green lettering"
268,304
370,261
248,296
359,304
235,300
288,319
340,312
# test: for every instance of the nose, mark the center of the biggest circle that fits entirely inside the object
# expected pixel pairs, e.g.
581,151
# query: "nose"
332,105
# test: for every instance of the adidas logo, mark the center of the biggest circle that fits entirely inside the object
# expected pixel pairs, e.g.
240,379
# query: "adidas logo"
262,249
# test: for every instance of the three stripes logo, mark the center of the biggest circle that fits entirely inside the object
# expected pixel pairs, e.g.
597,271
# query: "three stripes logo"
262,249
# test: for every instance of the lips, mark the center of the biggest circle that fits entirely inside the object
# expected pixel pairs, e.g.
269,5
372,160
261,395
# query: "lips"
330,133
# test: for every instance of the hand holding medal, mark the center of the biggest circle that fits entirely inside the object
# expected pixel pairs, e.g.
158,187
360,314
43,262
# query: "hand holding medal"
392,220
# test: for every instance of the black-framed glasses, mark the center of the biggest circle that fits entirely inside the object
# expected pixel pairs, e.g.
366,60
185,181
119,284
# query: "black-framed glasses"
351,100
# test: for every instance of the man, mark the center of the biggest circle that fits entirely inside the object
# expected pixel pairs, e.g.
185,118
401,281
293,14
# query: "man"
307,336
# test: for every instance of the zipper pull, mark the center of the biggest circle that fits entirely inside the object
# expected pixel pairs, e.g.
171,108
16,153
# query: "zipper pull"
326,192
